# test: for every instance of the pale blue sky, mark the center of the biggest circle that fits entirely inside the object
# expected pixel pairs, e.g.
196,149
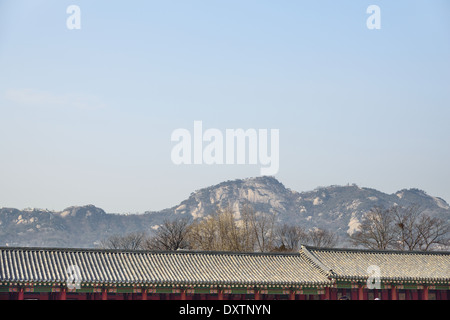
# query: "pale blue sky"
86,115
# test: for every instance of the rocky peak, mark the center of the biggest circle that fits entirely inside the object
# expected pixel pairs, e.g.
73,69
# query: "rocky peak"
81,211
260,192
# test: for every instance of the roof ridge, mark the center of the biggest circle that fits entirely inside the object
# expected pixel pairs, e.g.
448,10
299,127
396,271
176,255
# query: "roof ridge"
378,251
319,264
249,253
150,251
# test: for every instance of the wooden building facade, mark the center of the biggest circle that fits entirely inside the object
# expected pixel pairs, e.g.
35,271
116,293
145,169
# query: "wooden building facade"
310,274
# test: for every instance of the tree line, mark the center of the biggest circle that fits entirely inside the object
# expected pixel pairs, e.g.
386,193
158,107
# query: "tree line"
397,228
401,228
250,231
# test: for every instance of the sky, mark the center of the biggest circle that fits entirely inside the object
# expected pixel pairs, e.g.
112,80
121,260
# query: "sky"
86,115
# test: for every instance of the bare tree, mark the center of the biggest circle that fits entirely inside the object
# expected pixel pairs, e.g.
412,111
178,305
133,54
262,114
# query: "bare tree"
227,231
289,238
113,242
171,235
203,234
402,229
433,233
131,241
321,238
262,227
222,231
406,228
376,231
245,225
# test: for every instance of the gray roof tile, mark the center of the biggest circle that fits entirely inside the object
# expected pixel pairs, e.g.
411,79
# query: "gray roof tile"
394,265
121,267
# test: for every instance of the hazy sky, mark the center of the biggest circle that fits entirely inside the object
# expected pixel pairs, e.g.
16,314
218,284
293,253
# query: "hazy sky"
86,115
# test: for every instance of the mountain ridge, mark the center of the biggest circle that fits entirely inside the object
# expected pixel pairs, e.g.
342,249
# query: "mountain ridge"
336,208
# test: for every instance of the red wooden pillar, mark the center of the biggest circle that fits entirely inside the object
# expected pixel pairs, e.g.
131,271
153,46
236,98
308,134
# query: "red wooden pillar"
292,295
257,295
361,292
144,294
333,293
219,294
415,295
394,295
327,293
20,294
425,293
62,294
183,294
104,294
384,294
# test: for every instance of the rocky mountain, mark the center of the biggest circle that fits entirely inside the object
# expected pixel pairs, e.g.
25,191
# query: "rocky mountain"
336,208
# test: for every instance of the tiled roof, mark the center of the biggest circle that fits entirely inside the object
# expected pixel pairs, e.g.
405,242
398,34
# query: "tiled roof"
142,267
393,265
311,267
